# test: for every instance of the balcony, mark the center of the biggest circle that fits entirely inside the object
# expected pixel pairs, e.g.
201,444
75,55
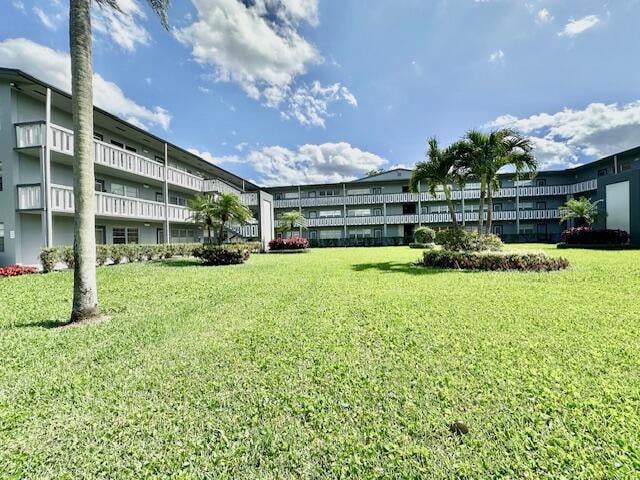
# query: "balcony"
109,205
430,218
29,196
456,195
31,134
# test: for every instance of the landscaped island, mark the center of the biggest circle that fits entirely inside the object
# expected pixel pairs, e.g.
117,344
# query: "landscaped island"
336,363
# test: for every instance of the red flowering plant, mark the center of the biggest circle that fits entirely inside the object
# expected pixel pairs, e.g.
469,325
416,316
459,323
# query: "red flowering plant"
589,236
293,243
15,270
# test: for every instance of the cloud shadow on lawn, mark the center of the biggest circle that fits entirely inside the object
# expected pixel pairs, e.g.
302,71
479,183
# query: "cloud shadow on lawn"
397,267
185,262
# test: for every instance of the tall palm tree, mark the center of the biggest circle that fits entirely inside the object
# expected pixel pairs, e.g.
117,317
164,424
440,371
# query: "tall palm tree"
440,170
482,155
202,213
290,221
85,292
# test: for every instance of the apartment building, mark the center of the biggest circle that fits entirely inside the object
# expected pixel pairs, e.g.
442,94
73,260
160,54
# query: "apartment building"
380,210
143,183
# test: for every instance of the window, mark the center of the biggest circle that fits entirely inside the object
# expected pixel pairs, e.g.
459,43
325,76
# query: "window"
360,212
377,233
101,234
526,206
99,185
1,237
541,205
330,213
124,190
376,190
329,193
159,197
541,229
313,214
125,235
497,229
358,191
278,196
313,234
177,200
541,182
98,136
602,172
290,195
311,195
377,212
497,207
526,228
425,210
360,233
0,176
117,144
405,189
183,235
131,149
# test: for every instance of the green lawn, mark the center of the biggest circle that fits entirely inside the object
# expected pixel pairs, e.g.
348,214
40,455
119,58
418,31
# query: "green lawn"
334,363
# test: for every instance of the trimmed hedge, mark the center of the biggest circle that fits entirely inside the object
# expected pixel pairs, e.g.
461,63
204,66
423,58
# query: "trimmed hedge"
588,236
293,243
491,261
16,270
424,235
118,253
459,240
222,254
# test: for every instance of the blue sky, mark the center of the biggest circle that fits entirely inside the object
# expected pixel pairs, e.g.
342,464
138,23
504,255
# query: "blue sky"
305,91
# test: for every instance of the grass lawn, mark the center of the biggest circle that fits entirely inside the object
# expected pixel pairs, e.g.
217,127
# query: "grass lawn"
336,363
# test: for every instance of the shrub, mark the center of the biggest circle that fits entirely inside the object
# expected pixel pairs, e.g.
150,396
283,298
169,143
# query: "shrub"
458,240
16,270
222,254
424,235
293,243
588,236
536,262
117,252
48,258
103,254
424,246
66,254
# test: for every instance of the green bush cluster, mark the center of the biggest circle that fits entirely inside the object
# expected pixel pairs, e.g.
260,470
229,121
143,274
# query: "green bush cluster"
424,246
458,240
424,235
231,254
535,262
49,257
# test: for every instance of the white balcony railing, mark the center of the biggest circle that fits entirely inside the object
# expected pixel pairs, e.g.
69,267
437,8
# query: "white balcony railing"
29,197
249,199
218,186
506,192
184,179
30,134
121,159
61,139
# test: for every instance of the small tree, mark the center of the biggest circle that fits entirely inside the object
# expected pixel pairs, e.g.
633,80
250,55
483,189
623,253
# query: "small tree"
581,209
218,211
290,221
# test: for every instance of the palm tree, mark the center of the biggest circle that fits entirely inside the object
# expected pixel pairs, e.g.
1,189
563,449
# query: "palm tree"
582,209
85,291
290,221
226,208
440,170
203,214
482,155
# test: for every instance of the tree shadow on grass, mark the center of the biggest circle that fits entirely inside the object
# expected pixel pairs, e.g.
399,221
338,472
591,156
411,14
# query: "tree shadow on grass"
183,262
407,267
47,324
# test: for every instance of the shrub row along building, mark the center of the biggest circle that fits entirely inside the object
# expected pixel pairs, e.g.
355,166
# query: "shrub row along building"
144,183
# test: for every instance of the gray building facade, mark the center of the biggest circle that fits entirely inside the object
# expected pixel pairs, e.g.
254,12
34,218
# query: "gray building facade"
380,210
143,183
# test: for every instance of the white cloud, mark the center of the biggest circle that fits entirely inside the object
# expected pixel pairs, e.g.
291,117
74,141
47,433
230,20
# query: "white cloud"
563,138
54,67
122,27
209,157
50,20
18,4
575,27
544,16
328,162
497,57
258,46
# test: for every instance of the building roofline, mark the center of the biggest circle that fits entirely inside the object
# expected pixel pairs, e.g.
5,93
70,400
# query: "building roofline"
19,73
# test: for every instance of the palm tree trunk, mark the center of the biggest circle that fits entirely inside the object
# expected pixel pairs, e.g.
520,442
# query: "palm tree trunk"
483,187
489,208
452,212
85,292
221,233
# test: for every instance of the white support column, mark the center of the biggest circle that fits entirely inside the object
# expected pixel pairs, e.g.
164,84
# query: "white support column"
462,196
384,214
517,206
47,220
419,206
344,210
300,209
165,195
